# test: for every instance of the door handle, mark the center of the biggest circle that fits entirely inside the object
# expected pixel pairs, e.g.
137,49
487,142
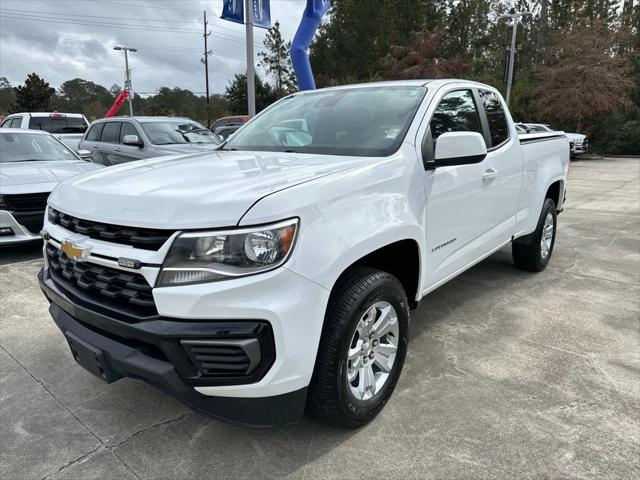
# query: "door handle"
489,174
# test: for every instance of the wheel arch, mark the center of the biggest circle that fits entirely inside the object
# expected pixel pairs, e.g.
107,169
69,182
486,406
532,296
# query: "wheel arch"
555,191
401,259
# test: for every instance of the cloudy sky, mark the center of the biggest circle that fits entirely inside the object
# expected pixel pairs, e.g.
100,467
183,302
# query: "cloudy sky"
65,39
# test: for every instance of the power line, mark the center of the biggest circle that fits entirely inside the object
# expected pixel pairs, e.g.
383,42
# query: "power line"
58,14
129,26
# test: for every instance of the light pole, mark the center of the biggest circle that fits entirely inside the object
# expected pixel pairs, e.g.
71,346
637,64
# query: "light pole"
515,18
127,73
251,79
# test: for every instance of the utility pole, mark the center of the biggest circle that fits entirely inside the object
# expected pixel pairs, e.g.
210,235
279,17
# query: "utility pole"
205,60
127,73
515,18
251,75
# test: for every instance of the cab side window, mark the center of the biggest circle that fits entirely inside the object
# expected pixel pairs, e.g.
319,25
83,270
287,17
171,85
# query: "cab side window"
16,122
456,112
110,132
95,132
498,126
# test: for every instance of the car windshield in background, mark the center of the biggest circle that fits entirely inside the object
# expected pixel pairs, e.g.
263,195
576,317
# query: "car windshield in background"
370,121
171,133
31,147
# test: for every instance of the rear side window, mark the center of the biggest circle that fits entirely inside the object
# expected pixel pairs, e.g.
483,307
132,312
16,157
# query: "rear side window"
498,126
110,132
15,122
94,132
127,129
456,112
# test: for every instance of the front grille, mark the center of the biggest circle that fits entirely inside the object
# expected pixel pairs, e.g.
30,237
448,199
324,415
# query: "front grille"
223,357
108,289
27,202
145,238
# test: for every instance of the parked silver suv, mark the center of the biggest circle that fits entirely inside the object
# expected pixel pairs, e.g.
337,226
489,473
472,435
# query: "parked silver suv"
122,139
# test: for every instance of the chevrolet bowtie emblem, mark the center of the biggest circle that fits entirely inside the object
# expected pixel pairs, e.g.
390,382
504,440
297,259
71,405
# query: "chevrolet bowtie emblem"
74,252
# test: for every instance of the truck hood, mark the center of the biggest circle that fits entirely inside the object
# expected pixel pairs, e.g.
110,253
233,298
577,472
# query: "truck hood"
205,190
29,177
575,136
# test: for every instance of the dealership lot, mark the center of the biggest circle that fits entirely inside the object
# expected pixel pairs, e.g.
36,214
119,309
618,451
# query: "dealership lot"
509,375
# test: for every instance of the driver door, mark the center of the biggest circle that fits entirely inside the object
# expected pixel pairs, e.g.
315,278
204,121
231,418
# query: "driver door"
461,199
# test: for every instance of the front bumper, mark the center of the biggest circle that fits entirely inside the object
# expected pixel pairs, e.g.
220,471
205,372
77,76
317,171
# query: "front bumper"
151,351
19,233
578,148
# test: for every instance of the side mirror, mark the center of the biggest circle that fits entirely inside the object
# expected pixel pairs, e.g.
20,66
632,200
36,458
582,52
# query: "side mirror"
132,141
84,155
459,148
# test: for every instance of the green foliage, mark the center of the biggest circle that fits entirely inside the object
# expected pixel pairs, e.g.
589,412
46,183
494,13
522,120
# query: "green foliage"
277,61
34,96
7,96
80,95
236,94
558,80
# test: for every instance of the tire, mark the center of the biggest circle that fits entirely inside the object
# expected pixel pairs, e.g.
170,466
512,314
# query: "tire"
528,252
360,298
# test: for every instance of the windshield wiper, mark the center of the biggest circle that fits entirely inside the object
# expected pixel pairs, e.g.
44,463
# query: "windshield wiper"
291,151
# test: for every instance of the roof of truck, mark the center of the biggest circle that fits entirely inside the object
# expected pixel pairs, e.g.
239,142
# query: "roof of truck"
48,114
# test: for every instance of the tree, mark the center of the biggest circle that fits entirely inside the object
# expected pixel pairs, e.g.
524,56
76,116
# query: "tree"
422,59
34,96
582,80
349,46
236,94
83,96
7,96
277,61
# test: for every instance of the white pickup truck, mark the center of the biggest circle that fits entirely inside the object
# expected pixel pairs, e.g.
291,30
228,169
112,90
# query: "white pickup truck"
278,272
69,128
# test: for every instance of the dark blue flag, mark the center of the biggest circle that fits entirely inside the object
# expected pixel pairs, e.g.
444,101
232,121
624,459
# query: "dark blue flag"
233,10
261,13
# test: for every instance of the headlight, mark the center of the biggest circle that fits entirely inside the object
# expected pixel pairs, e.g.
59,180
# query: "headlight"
198,257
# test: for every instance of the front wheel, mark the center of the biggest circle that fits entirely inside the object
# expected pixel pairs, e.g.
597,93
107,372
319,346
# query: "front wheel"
362,350
534,252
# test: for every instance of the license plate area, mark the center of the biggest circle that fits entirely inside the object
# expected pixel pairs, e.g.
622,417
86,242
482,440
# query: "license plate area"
91,358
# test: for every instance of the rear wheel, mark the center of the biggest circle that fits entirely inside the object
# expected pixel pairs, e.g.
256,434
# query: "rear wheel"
362,350
533,252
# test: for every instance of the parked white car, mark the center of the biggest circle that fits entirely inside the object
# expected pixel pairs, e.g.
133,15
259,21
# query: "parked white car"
579,142
32,163
279,271
68,127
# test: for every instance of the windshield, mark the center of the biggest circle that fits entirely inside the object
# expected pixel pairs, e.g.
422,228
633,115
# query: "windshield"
178,132
31,147
369,121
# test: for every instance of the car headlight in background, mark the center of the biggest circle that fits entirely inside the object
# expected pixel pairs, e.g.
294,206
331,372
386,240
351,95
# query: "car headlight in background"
198,257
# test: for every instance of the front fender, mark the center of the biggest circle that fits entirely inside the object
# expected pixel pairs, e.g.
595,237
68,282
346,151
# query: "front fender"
345,216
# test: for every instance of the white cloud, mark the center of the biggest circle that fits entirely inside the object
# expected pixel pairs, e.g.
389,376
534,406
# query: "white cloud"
65,39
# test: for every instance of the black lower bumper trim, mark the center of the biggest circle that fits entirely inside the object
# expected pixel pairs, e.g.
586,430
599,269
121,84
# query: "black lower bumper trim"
110,359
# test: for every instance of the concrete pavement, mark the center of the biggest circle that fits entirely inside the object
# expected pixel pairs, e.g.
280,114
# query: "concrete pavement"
509,375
